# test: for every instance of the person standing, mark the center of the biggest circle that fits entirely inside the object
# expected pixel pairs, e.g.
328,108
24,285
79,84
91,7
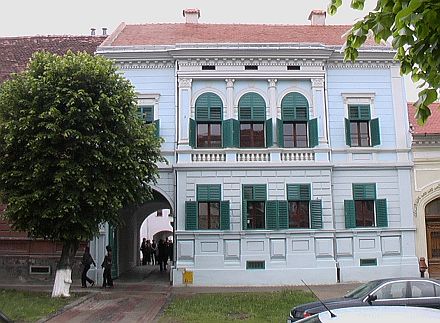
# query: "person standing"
154,253
107,265
144,251
162,248
86,262
170,251
149,252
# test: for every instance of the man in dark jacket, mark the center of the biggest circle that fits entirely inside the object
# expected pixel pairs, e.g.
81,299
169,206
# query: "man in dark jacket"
86,262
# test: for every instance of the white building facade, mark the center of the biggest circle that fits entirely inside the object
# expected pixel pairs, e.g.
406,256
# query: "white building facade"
285,163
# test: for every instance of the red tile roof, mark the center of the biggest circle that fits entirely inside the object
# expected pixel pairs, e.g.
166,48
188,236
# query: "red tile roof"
15,52
171,34
432,126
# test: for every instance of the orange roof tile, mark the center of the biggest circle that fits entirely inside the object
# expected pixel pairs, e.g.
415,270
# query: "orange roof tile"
15,52
432,126
171,34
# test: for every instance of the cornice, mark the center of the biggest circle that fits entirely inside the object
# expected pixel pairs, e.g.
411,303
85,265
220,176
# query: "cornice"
242,61
359,64
145,64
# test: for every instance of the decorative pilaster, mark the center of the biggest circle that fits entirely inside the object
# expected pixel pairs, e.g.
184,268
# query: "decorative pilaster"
184,111
272,90
319,110
229,98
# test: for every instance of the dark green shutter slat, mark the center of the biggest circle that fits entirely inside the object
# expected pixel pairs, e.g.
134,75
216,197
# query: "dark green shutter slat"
316,213
271,215
224,215
375,132
347,132
190,215
157,127
350,214
248,192
208,192
298,192
269,133
283,215
294,107
235,133
260,192
364,191
192,133
359,112
244,214
231,133
209,107
251,107
381,213
313,132
280,132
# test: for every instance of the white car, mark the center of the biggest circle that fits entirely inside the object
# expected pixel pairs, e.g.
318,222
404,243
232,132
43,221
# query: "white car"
376,314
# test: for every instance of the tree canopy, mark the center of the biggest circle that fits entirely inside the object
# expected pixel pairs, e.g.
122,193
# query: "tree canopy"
414,29
73,151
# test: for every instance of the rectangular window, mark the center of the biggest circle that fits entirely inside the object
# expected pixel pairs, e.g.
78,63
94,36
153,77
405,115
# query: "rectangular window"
360,129
209,135
295,135
360,133
209,215
208,67
364,213
299,214
159,213
251,67
146,113
252,134
255,215
293,67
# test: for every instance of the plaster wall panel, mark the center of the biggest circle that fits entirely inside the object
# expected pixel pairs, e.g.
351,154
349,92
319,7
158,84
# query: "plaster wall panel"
367,243
185,250
209,247
232,250
324,247
391,245
300,245
278,249
344,246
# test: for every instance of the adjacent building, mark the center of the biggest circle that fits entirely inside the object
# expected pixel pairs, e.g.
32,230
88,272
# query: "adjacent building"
285,162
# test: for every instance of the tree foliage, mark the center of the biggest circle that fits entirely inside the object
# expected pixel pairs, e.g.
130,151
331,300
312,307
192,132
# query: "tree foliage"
413,26
72,150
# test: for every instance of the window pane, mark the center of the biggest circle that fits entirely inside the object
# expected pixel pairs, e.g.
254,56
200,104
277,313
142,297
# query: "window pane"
288,135
209,135
354,134
258,135
299,214
422,289
203,215
255,215
301,135
364,213
202,134
360,133
392,291
251,134
216,135
364,134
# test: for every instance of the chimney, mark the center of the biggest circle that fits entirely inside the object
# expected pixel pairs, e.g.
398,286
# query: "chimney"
317,17
92,31
104,31
191,15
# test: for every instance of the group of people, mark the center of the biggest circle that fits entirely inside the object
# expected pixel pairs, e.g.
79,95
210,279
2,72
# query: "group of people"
87,261
157,253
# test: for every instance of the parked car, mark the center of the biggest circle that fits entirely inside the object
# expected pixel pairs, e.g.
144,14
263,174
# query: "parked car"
376,314
392,291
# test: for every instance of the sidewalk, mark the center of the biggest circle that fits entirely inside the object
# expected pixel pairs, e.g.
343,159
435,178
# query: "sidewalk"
141,297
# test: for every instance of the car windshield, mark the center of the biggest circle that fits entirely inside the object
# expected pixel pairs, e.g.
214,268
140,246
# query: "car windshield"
363,290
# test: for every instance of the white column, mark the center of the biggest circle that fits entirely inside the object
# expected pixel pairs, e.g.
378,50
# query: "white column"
229,99
318,109
272,90
184,112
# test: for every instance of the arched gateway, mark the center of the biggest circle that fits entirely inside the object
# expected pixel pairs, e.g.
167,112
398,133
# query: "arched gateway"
124,239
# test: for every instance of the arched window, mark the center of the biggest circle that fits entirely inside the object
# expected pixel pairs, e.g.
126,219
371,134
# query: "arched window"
206,129
295,130
252,118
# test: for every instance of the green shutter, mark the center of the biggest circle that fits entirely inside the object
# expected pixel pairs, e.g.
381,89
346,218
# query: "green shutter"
280,132
283,215
192,133
347,132
157,128
208,192
248,192
231,133
313,132
190,215
316,213
224,215
260,193
364,191
375,132
209,107
271,215
269,133
244,214
236,133
381,213
294,107
350,214
251,107
359,112
298,192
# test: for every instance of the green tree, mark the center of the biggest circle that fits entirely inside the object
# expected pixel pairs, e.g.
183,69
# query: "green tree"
413,26
72,151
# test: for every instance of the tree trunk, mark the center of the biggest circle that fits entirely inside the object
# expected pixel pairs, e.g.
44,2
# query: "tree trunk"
63,276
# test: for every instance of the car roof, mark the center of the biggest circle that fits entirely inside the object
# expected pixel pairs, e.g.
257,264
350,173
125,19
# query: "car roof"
381,314
383,280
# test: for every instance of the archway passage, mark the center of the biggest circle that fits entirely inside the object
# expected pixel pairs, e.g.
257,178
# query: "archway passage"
129,237
432,219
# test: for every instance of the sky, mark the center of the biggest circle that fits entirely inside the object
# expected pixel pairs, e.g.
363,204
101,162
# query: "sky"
77,17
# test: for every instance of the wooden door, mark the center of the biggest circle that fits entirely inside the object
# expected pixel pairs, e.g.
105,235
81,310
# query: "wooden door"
433,244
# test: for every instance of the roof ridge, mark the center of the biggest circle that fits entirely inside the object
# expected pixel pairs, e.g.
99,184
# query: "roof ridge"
52,36
234,24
